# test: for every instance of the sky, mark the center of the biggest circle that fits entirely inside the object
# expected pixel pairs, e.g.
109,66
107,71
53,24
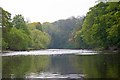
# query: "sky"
47,10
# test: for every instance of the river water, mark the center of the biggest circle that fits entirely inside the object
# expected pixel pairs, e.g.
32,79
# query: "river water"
60,64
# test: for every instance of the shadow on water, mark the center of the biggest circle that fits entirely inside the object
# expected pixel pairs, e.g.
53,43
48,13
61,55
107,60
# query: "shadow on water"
61,67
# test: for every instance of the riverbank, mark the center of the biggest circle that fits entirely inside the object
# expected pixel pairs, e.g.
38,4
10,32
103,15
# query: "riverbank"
6,51
107,50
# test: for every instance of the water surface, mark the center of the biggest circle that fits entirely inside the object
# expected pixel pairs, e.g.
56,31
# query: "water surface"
61,64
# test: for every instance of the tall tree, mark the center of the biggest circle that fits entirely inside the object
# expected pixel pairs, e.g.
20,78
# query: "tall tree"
19,23
6,26
101,25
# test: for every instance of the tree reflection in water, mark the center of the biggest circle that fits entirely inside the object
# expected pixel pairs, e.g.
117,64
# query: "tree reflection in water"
21,65
92,66
99,65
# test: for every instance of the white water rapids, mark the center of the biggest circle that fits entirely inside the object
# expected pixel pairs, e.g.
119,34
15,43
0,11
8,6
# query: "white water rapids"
51,52
48,75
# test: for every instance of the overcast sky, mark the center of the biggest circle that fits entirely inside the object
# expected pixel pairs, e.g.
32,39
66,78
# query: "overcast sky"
47,10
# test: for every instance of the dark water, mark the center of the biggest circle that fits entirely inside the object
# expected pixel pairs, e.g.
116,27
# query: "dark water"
61,66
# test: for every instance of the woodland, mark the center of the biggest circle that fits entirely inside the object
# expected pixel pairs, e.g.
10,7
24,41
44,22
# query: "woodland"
99,29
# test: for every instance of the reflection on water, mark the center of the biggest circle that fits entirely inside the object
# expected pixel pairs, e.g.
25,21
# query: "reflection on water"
18,66
62,66
99,66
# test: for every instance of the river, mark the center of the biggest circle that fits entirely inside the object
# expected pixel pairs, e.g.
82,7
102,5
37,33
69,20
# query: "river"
60,64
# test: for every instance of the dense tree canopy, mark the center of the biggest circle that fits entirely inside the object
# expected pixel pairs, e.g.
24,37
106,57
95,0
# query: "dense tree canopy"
35,25
39,39
19,22
102,25
20,35
100,28
62,31
6,26
18,40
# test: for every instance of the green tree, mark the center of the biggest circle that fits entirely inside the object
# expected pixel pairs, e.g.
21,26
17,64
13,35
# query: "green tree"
39,39
6,26
35,25
19,23
62,31
18,39
101,25
78,40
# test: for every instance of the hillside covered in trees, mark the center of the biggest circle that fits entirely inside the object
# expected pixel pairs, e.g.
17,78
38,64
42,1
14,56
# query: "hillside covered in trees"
100,28
62,31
